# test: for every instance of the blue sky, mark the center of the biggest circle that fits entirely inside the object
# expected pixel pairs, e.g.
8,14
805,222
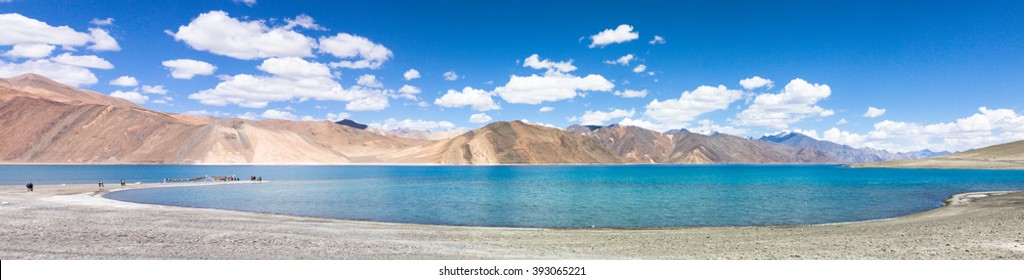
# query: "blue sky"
930,66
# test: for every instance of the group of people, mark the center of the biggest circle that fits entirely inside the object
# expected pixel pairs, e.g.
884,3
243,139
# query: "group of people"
256,178
31,187
193,179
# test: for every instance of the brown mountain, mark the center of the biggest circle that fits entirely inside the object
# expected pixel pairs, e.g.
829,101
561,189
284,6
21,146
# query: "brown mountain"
632,144
639,145
1003,156
46,122
512,143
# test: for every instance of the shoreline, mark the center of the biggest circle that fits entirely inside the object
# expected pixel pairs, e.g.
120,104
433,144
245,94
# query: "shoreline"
76,209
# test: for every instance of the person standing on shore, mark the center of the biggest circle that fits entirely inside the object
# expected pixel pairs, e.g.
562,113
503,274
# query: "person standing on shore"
29,186
122,182
101,184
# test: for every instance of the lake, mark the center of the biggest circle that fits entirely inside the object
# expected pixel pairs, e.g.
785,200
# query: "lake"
604,196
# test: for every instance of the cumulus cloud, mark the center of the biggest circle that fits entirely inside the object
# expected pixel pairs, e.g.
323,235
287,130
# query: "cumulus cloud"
658,40
411,74
275,114
539,123
30,50
554,85
841,122
158,89
755,82
451,75
304,21
408,92
629,93
291,78
621,34
66,74
546,109
368,80
102,41
338,117
707,127
188,68
874,112
393,124
796,101
639,68
249,3
125,81
534,62
645,124
600,117
18,29
363,52
88,61
132,96
478,99
479,118
678,112
218,33
985,128
624,60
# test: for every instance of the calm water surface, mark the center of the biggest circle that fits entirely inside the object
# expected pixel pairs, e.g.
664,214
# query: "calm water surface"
627,196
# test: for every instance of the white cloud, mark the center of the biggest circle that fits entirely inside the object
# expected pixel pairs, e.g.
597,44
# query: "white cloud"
411,74
639,68
392,124
539,123
841,121
756,82
102,41
125,81
188,68
304,21
347,46
408,92
708,127
132,96
158,89
553,86
623,33
291,79
624,60
562,66
338,117
986,128
102,22
479,100
30,50
678,112
796,102
284,114
600,117
249,3
658,40
546,109
18,29
88,61
450,75
368,80
479,118
248,116
66,74
629,93
372,102
874,112
645,124
218,33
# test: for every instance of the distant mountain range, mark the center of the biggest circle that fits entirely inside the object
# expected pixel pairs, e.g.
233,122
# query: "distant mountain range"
42,121
1003,156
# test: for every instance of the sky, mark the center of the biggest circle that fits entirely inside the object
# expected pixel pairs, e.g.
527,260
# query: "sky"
906,76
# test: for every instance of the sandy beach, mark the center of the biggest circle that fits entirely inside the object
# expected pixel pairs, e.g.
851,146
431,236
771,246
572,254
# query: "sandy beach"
76,222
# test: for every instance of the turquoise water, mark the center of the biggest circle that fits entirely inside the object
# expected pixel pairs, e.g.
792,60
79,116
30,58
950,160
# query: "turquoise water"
617,196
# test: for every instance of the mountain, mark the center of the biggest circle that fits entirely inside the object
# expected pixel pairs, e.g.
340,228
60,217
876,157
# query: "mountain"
512,143
845,153
639,145
47,122
1003,156
723,148
632,144
352,124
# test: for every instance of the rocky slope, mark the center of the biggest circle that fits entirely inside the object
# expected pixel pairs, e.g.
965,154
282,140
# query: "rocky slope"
1003,156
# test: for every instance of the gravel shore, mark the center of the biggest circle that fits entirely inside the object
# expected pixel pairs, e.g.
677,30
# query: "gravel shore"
76,222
